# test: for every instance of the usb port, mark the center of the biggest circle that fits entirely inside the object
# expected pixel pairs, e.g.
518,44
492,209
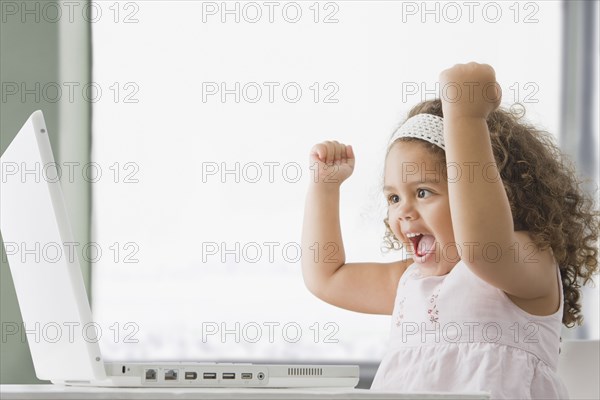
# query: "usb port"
191,375
246,375
209,375
228,375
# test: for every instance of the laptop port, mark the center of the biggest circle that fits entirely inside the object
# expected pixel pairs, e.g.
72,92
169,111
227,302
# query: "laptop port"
246,375
191,375
150,374
260,376
228,375
171,375
209,375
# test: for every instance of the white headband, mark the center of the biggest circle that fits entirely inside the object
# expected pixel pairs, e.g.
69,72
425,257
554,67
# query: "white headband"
422,126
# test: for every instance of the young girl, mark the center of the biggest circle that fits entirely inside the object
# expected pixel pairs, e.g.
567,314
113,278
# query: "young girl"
500,236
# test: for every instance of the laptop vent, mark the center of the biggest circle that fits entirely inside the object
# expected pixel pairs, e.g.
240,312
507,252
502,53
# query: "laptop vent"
305,371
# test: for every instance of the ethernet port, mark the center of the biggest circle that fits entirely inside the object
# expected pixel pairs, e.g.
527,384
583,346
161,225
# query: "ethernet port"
171,375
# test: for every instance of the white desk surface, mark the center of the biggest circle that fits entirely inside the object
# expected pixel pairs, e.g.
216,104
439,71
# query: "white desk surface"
10,392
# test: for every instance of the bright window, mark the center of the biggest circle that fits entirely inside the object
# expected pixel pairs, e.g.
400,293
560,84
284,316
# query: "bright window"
203,131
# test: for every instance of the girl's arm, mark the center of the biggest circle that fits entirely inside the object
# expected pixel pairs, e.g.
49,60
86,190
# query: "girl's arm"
361,287
479,206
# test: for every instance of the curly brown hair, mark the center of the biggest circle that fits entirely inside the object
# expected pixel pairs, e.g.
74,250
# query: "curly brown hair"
544,184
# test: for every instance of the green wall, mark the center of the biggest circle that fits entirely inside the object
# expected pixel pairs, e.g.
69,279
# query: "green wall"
42,51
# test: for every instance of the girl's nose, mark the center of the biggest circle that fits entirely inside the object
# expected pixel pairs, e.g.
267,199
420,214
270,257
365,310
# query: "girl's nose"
406,212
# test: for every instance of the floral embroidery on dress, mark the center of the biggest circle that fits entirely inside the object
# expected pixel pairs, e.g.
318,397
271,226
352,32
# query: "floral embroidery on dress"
433,310
400,313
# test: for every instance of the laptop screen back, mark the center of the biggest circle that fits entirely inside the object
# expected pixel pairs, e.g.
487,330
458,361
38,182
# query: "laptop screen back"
38,244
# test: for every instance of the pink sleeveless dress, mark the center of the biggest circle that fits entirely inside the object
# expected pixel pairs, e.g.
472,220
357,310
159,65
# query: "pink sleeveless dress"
457,333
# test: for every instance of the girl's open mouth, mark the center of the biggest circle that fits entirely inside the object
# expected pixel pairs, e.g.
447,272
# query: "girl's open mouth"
423,244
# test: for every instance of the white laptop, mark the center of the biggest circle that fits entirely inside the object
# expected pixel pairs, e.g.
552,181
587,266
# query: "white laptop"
51,292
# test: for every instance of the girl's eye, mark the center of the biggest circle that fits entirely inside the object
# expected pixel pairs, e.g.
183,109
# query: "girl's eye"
419,191
393,198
